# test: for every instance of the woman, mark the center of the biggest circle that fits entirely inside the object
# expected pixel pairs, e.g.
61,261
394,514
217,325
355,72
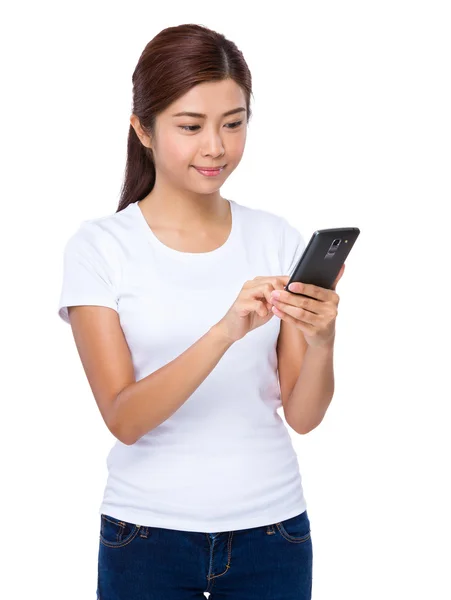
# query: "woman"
170,304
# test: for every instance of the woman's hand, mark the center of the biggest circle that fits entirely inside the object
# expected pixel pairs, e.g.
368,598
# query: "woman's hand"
314,316
252,308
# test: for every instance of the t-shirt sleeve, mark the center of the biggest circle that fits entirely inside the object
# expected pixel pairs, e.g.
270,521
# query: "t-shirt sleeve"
88,277
292,247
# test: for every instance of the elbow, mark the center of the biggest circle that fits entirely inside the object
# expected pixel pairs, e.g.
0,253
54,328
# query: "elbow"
123,436
126,434
118,423
128,441
306,430
303,428
121,433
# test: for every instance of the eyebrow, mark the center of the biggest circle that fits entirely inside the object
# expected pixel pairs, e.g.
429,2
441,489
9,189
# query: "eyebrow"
202,116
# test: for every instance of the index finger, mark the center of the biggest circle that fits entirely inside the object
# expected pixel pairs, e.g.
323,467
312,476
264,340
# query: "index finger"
277,281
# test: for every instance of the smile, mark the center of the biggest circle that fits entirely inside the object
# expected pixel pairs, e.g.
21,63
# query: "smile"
209,172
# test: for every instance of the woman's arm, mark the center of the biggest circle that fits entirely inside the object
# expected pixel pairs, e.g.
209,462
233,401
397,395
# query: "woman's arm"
313,390
145,404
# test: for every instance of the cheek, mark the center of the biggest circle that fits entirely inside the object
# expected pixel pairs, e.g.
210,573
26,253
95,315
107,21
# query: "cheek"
177,152
235,147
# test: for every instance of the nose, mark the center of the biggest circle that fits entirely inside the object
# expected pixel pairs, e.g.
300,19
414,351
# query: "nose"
213,145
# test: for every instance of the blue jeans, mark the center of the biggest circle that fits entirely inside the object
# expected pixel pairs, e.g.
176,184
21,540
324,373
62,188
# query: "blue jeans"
270,562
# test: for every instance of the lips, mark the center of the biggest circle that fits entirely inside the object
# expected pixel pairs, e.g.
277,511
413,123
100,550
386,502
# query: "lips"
209,168
209,171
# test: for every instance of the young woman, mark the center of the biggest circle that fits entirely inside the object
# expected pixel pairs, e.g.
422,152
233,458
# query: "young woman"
188,358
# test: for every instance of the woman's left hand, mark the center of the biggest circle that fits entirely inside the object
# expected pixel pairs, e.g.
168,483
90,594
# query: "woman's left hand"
314,316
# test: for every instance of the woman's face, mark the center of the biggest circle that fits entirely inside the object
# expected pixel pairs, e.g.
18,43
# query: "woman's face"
184,141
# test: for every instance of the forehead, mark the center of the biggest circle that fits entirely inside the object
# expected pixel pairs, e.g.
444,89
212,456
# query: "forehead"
212,98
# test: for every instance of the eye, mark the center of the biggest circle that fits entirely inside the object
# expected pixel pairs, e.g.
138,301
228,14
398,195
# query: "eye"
235,125
186,127
190,127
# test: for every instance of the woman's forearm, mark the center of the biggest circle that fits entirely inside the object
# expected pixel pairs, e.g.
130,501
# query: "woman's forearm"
146,403
313,390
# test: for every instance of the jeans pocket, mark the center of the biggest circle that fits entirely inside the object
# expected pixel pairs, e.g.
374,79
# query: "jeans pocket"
115,533
296,529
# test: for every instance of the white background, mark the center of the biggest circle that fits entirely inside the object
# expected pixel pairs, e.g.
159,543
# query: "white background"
350,127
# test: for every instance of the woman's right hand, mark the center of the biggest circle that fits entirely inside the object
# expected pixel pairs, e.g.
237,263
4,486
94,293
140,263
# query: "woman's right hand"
252,308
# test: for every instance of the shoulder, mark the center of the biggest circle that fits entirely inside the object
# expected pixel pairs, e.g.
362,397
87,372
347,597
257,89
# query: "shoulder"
100,234
275,227
97,244
263,218
89,238
286,232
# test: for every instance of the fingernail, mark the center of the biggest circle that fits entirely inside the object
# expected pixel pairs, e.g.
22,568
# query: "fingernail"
275,294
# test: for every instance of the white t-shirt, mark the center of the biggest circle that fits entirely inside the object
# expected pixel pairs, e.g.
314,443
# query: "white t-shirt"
224,460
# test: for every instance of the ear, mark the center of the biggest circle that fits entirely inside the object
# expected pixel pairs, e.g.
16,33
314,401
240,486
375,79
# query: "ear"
143,137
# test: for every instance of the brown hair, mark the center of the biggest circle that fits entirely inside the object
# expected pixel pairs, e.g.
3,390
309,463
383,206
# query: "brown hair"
174,61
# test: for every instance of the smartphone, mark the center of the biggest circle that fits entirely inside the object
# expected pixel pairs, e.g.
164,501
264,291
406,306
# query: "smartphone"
323,257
